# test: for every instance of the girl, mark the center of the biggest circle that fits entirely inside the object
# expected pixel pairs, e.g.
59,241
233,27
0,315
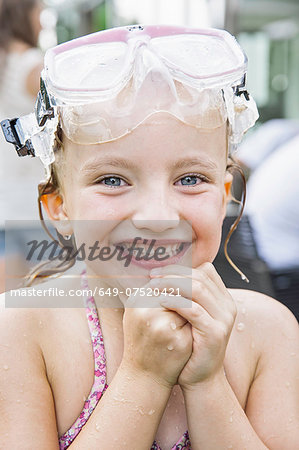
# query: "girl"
147,120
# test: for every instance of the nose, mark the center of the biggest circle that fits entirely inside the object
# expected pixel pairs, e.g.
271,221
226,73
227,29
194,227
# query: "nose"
156,212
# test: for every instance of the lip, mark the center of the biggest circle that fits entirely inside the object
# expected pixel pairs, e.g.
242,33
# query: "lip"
151,264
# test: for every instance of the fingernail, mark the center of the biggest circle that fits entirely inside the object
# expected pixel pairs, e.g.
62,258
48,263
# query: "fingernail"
155,272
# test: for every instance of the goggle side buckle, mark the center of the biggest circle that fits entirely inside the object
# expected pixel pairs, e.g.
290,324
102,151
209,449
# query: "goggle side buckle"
241,89
44,109
11,135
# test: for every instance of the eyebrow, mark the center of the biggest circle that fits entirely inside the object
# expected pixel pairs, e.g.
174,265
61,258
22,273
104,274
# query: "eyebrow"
123,163
187,162
97,164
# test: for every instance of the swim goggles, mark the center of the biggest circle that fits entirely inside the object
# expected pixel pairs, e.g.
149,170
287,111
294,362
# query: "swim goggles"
101,86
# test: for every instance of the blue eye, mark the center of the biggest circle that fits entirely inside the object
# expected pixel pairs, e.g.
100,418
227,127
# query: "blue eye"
192,180
112,181
189,180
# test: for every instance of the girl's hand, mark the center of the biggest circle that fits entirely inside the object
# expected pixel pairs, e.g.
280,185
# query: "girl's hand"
157,341
209,308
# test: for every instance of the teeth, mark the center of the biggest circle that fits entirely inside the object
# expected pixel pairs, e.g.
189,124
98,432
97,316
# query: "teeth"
170,250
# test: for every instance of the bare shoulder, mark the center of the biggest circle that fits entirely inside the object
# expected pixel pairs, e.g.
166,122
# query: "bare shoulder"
257,303
27,394
267,318
15,321
273,336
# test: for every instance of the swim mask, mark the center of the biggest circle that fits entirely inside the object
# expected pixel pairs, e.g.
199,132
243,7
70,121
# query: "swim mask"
101,86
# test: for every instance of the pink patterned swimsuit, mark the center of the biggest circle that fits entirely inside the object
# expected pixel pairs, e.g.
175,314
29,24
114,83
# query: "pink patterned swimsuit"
100,385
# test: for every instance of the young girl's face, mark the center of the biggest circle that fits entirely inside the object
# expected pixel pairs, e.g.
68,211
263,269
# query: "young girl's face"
149,182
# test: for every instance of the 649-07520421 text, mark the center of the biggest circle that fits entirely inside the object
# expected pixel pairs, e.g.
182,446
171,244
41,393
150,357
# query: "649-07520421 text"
100,291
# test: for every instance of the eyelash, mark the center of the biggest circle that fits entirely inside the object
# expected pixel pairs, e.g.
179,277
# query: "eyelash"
202,178
100,180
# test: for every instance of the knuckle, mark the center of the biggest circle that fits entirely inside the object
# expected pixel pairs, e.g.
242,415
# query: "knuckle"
221,332
198,312
208,268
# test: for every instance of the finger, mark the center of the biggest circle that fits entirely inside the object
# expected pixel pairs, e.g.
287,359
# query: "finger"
175,270
195,314
221,302
171,269
204,293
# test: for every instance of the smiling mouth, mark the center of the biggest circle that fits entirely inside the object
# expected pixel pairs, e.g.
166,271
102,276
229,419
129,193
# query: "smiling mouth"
153,252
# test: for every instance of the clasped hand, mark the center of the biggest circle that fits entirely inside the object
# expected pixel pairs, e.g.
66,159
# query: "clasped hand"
181,339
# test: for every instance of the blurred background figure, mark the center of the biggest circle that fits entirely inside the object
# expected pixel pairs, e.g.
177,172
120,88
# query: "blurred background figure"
20,65
271,158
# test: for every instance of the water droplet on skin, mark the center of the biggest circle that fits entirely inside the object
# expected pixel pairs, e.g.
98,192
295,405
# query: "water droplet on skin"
148,323
98,427
252,345
240,326
288,384
40,324
5,367
172,325
230,446
174,393
230,419
170,347
25,335
151,412
243,310
18,401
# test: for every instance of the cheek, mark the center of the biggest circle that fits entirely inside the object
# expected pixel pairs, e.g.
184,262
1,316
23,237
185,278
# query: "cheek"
89,205
205,214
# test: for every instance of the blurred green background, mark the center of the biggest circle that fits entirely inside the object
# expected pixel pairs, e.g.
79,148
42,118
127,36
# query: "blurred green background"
268,31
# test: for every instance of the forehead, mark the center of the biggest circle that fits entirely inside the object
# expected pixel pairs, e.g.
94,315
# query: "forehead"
161,137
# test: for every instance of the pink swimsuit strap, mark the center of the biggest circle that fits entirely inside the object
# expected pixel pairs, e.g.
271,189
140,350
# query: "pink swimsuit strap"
100,385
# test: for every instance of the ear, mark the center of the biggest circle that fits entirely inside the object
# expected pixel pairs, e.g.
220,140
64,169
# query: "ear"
54,205
228,179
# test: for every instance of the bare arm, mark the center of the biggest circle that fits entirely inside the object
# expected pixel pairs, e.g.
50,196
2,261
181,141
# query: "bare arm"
127,416
215,417
26,403
129,411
